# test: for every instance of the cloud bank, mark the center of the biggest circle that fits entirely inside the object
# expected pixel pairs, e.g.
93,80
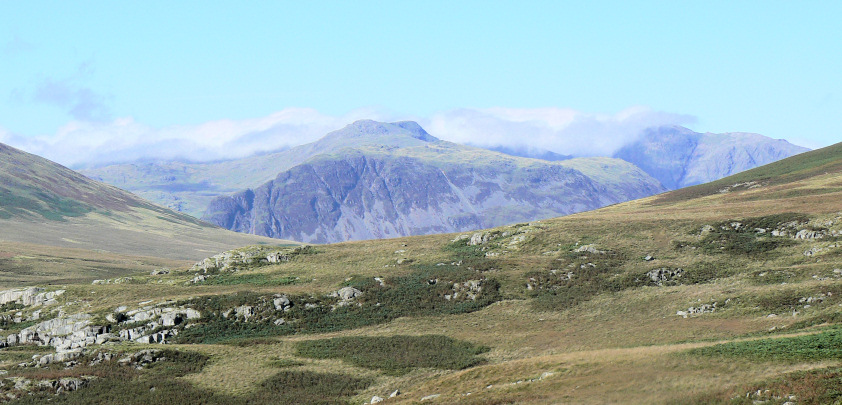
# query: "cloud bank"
90,142
559,130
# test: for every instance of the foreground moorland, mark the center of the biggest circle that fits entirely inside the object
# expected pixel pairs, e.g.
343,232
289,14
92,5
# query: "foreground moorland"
728,292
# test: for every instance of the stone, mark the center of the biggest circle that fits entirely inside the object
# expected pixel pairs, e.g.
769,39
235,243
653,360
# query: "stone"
394,393
376,400
282,303
806,234
429,397
244,311
589,249
664,274
479,238
348,293
648,258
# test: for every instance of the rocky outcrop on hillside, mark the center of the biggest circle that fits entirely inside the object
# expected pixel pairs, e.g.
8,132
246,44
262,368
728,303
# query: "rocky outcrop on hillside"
679,157
362,195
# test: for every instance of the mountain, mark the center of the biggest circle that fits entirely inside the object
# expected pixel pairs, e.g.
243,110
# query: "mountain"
679,157
675,156
45,203
380,180
189,187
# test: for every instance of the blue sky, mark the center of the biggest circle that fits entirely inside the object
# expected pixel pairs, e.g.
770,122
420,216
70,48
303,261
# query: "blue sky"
78,69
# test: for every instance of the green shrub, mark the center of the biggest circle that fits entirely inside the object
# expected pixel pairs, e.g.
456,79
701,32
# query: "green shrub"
396,354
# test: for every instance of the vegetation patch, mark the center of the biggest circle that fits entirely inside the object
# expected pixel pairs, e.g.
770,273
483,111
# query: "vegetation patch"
251,279
307,387
814,387
749,236
158,384
47,205
396,354
429,290
821,346
284,363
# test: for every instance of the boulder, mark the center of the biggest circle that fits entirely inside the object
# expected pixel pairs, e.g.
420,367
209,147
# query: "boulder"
589,249
348,293
479,238
282,303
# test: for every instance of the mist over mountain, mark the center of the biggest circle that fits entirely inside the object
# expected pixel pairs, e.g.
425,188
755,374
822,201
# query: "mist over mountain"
679,157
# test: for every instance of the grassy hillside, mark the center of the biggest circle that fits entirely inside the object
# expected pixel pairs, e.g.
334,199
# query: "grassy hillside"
42,202
712,297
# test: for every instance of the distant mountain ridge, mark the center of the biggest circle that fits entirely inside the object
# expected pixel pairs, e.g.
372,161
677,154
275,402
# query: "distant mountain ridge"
679,157
396,180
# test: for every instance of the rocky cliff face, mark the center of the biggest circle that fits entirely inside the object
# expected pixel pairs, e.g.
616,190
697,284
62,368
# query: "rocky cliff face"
679,157
434,187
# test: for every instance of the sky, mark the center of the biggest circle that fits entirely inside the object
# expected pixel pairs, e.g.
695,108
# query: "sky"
86,82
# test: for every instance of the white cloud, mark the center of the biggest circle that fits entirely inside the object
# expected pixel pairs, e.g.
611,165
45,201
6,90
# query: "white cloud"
89,143
564,131
86,143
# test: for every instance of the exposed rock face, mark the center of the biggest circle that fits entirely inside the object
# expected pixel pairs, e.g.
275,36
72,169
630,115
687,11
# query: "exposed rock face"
421,188
32,296
679,157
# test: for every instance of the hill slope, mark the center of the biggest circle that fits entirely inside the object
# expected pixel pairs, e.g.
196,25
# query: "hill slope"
679,157
398,182
45,203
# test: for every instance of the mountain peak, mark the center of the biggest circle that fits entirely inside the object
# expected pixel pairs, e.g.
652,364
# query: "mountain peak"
374,133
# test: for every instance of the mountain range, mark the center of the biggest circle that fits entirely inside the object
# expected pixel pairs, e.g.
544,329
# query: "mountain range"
397,180
375,180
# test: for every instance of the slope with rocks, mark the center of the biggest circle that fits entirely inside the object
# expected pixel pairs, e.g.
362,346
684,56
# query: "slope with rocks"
679,157
402,182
